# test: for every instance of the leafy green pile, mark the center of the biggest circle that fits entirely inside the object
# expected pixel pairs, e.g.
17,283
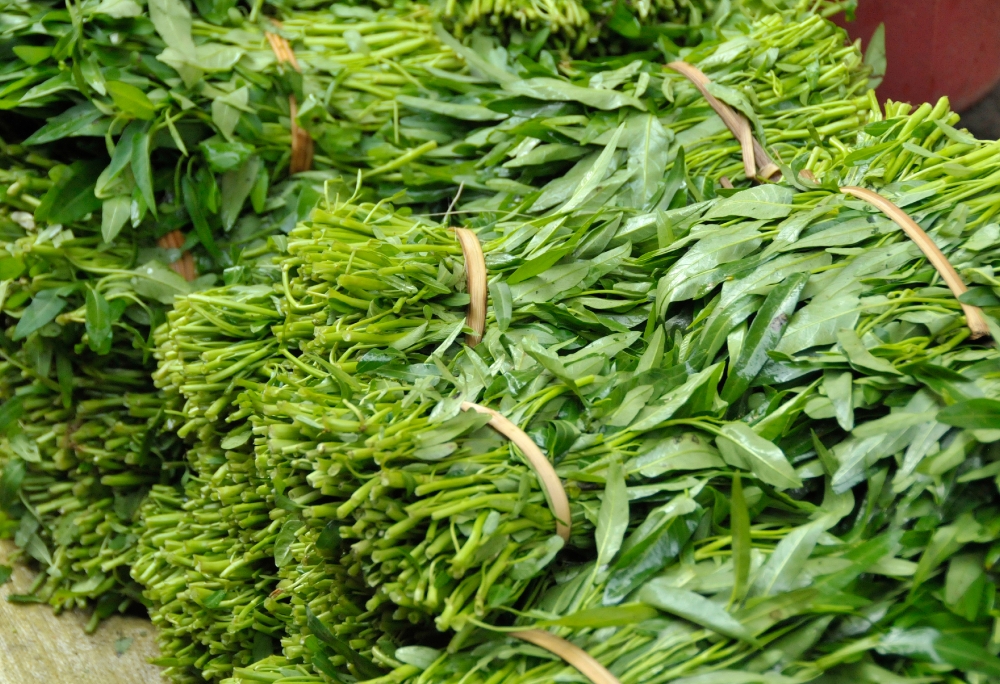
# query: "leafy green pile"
853,385
773,427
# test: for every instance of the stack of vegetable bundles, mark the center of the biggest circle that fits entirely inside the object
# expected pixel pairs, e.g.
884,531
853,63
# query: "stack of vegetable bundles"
771,422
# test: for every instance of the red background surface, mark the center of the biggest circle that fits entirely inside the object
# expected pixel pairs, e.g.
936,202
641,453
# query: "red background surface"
935,47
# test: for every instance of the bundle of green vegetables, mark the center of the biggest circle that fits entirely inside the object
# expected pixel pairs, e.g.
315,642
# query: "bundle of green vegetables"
84,430
751,610
523,126
773,427
87,432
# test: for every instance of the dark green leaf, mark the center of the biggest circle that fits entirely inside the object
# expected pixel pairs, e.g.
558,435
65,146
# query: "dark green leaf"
363,666
192,202
72,196
651,547
376,358
141,169
13,476
763,336
974,414
44,308
283,543
98,322
73,121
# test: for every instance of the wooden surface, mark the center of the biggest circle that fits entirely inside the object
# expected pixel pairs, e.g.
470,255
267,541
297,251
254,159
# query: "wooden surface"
36,646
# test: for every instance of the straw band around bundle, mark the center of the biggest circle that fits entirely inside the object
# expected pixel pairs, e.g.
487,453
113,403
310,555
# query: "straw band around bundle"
185,265
756,161
572,654
302,144
475,274
547,476
973,314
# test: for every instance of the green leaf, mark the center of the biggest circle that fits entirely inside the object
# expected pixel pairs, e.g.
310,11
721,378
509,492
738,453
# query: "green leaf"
943,544
376,358
742,544
555,90
648,155
235,187
763,336
72,196
10,411
44,308
5,572
119,9
465,112
225,156
543,154
363,666
898,421
473,59
120,158
875,57
656,542
595,174
695,273
115,212
11,267
418,656
859,356
670,403
14,470
173,22
818,323
156,281
502,303
329,538
743,448
623,22
537,265
612,520
98,322
781,571
74,121
32,54
283,542
131,100
559,437
973,414
692,607
686,451
193,205
759,202
141,169
839,389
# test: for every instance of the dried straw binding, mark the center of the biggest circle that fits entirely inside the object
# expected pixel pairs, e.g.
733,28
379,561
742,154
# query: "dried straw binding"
574,655
756,161
302,144
475,274
973,314
185,265
547,476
